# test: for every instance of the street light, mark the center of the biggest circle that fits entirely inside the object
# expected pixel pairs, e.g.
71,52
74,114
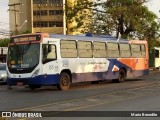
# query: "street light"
22,25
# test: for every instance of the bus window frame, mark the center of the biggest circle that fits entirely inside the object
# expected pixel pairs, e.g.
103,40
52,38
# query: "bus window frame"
125,50
143,50
94,49
112,50
140,52
48,60
66,48
86,49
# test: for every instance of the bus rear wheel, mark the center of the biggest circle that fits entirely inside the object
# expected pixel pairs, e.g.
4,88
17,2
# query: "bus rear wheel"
121,76
64,82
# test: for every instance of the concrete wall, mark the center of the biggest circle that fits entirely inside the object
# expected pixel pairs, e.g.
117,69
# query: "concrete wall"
26,14
23,14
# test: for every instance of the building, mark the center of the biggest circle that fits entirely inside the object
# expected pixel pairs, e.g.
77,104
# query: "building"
38,16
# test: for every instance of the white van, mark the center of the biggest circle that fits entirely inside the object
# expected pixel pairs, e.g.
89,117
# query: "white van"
3,73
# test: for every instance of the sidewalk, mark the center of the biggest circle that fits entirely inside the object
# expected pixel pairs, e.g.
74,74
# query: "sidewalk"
151,71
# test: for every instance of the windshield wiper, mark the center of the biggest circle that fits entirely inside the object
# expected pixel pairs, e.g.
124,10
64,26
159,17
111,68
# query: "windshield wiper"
26,48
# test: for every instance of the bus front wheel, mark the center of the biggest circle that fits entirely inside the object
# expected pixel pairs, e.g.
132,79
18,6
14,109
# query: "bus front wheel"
64,82
121,76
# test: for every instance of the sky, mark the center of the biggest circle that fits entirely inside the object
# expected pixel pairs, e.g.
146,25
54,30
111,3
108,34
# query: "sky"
153,5
4,17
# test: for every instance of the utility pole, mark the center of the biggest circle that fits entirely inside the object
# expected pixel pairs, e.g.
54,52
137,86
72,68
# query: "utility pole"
15,13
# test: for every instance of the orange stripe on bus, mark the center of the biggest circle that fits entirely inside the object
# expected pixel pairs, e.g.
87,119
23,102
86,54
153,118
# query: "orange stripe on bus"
135,63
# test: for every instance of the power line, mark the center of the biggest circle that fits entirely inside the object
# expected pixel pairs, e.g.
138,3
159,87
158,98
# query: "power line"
15,13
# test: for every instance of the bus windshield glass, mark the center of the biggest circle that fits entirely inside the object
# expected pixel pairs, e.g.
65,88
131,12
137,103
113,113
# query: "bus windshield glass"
23,56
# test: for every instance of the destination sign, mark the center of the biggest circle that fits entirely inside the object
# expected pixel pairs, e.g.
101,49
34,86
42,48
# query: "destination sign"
25,38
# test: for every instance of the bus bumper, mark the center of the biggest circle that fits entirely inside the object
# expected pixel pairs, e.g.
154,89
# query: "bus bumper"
38,80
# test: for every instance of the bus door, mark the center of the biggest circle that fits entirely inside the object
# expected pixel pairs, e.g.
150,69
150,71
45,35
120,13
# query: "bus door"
49,60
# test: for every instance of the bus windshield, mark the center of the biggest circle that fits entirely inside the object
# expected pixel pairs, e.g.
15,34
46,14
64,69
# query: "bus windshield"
23,56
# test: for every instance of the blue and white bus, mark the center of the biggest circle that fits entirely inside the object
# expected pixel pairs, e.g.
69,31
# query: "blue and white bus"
43,59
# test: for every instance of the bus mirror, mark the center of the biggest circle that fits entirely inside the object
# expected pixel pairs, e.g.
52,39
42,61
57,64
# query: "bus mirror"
49,48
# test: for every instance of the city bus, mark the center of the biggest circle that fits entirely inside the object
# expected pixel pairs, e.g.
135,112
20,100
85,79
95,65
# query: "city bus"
43,59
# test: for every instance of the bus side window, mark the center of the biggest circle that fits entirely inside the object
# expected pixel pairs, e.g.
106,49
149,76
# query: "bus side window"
49,53
136,50
143,49
68,49
85,49
112,50
125,50
99,49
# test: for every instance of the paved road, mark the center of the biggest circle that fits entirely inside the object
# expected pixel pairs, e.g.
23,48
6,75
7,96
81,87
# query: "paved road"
140,94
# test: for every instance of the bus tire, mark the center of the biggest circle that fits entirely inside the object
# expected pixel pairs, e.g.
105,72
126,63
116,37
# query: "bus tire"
64,81
121,76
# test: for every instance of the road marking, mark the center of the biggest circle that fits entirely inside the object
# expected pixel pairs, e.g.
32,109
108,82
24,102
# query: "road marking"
50,104
93,105
102,103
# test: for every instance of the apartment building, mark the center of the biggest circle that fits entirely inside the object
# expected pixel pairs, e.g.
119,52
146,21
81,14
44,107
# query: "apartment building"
38,16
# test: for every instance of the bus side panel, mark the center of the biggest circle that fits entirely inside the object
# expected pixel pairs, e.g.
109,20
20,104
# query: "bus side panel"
39,80
97,69
89,69
132,70
131,66
94,76
139,66
50,73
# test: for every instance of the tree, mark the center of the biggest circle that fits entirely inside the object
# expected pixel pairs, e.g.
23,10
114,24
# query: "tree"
4,42
153,34
79,13
126,18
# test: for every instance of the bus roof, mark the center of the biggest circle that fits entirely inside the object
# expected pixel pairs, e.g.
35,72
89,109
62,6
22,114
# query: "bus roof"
89,38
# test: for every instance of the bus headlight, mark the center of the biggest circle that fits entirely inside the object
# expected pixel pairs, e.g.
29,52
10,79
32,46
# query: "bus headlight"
35,73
